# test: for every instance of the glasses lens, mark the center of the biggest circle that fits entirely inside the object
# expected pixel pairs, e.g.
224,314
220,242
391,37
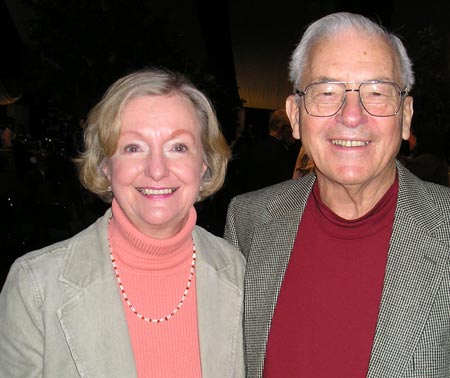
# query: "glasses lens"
380,99
324,99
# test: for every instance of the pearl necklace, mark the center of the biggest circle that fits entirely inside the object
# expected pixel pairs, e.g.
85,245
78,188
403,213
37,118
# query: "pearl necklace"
175,310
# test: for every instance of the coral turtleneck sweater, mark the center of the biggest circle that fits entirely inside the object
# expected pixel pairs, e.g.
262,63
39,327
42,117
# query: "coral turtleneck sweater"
154,275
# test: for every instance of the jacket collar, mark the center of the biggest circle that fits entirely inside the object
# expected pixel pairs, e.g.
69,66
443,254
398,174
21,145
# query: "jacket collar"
94,307
219,306
267,260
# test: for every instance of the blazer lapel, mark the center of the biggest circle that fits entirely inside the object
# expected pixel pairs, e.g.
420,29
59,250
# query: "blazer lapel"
415,268
97,334
219,305
93,318
267,260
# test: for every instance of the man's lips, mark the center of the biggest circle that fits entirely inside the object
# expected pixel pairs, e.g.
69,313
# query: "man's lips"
349,143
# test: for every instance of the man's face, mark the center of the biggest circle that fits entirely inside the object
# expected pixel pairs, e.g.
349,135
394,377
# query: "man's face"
351,147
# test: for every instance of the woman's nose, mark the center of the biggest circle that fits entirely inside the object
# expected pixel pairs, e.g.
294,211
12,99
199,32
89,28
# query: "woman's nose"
156,166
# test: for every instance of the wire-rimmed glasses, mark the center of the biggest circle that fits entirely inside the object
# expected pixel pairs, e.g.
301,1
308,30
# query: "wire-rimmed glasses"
378,98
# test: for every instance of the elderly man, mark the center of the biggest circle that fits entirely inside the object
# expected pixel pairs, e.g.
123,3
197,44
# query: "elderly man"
348,267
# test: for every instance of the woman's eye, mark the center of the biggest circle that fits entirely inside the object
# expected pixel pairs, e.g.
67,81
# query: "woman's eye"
132,148
180,148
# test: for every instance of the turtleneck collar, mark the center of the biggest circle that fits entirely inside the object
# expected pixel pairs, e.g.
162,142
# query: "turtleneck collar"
137,250
369,224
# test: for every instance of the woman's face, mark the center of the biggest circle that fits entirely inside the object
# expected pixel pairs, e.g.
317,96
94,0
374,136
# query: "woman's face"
156,171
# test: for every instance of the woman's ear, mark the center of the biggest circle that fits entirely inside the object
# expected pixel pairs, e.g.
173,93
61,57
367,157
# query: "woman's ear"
204,168
106,169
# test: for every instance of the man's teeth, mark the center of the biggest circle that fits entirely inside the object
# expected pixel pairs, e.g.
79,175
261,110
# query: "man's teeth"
148,192
349,143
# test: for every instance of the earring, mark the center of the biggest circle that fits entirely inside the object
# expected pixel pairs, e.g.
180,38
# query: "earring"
200,188
109,188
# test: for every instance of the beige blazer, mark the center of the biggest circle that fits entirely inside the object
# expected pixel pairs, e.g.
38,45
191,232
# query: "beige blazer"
61,313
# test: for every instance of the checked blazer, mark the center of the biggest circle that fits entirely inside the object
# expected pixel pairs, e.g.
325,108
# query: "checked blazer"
412,337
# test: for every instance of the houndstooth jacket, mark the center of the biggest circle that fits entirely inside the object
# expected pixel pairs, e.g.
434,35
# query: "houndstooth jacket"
413,331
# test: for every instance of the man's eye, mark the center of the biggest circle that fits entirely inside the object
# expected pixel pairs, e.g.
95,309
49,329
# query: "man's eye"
327,94
375,94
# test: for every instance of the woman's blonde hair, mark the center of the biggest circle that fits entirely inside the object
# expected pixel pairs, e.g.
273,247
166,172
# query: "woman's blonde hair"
104,122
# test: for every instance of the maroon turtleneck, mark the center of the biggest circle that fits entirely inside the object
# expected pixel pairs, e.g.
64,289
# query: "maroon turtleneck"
325,318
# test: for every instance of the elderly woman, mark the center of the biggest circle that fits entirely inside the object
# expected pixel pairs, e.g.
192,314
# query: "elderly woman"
143,291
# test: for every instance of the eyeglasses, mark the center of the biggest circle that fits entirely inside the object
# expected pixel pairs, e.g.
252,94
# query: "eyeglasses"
378,98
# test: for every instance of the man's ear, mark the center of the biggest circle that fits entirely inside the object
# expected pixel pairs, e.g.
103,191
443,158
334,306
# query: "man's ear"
293,114
407,117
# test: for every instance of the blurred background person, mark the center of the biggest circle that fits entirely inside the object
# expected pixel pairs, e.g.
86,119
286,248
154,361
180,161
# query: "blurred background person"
238,169
427,157
143,291
272,160
7,134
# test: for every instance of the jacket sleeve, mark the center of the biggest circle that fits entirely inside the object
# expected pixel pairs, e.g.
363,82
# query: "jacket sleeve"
21,326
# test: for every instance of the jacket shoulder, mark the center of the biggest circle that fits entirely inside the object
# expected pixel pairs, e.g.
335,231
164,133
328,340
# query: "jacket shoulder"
423,196
43,268
255,206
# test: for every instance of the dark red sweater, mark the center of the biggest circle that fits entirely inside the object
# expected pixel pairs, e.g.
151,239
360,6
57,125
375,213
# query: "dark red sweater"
325,318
